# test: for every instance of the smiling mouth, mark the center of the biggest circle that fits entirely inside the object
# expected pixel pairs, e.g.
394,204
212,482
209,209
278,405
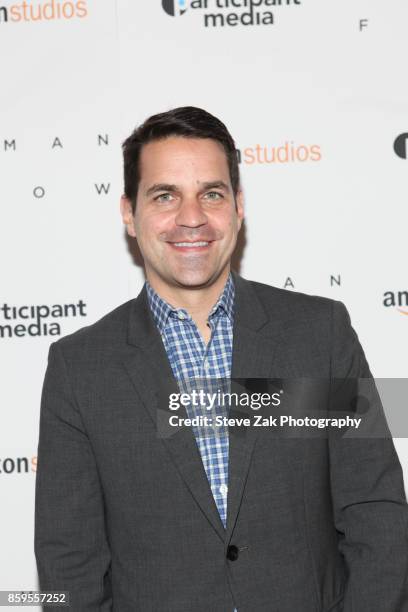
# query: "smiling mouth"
191,244
188,246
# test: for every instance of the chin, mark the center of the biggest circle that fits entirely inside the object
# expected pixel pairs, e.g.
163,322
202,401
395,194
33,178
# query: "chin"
198,279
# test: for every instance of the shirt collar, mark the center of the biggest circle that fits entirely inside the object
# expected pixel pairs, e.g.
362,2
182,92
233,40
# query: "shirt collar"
162,310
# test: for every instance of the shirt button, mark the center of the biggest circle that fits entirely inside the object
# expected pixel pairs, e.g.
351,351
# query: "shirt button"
232,552
224,490
206,364
181,316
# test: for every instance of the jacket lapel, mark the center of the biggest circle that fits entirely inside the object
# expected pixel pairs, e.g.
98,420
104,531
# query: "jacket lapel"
253,357
149,369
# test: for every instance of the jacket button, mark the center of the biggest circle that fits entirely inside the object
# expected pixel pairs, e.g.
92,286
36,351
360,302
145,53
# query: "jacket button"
232,552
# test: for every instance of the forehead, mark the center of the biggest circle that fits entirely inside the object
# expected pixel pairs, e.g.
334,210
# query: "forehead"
176,158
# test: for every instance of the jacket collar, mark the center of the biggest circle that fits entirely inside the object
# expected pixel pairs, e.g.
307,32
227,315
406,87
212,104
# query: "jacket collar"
248,313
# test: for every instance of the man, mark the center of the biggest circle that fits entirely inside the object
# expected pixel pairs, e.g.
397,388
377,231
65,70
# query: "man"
130,517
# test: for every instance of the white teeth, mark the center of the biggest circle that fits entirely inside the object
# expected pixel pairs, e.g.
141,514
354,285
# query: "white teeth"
191,244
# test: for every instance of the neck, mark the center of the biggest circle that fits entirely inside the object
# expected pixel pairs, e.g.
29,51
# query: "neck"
198,301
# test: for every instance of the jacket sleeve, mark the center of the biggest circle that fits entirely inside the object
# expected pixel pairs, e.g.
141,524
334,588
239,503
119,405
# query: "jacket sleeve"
70,542
370,508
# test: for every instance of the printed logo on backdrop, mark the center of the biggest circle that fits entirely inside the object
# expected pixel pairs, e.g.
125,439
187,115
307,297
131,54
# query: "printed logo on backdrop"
401,145
286,153
18,465
174,7
52,10
37,320
397,300
54,144
224,13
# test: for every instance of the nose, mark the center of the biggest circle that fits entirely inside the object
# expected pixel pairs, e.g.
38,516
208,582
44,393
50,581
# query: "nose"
190,213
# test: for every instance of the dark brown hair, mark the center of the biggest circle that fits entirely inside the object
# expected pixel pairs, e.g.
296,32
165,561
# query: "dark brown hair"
186,121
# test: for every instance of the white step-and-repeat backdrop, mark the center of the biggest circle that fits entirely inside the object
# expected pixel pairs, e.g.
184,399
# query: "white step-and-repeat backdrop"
316,96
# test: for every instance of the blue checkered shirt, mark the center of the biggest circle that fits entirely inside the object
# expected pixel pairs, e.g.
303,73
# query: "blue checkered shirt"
200,366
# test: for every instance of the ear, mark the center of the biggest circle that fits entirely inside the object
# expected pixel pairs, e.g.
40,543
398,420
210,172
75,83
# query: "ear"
127,215
239,203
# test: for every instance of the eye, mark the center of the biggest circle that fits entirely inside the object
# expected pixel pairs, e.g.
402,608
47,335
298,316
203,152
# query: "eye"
163,197
214,195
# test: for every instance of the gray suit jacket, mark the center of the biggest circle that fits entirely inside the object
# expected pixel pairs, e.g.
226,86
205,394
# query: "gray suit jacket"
125,519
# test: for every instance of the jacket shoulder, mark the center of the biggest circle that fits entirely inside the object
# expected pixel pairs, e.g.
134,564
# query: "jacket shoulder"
289,304
108,330
314,326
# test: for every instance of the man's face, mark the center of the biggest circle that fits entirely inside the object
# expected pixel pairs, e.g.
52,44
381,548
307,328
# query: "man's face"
186,220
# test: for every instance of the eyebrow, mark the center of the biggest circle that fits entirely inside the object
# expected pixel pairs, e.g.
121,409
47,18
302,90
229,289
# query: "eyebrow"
215,185
160,187
168,187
